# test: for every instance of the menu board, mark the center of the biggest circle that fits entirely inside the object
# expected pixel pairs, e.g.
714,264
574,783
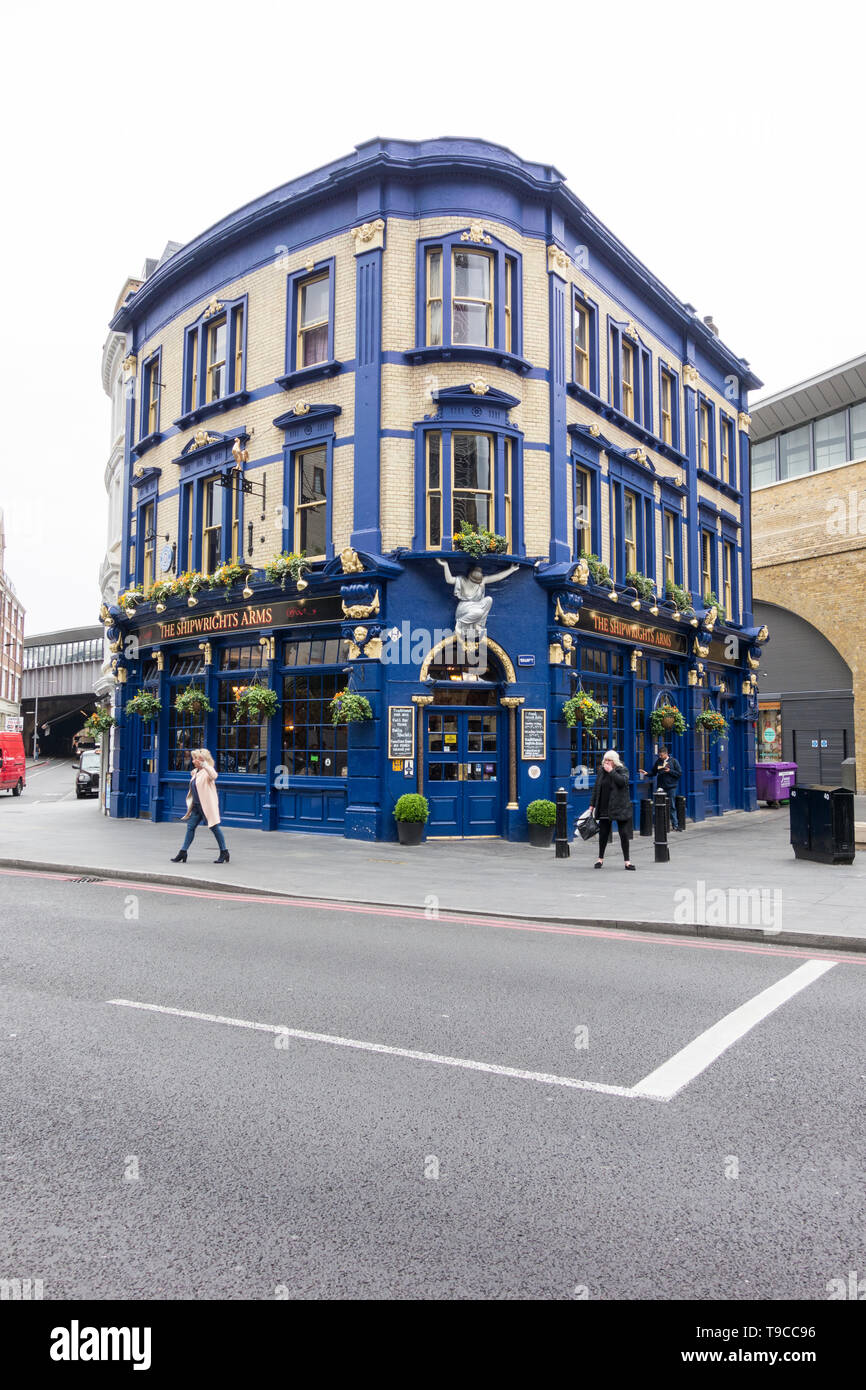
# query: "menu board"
401,731
533,734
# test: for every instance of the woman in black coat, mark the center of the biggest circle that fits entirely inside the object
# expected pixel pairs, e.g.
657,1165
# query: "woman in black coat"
611,802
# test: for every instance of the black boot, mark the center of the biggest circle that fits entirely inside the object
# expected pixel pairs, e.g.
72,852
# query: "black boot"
180,857
224,857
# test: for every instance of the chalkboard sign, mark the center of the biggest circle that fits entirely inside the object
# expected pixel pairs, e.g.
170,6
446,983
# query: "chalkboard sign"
533,734
401,731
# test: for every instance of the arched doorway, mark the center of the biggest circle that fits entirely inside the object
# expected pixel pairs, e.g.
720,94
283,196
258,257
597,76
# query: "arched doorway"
465,773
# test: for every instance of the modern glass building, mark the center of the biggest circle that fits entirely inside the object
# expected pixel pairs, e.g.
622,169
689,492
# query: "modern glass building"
421,354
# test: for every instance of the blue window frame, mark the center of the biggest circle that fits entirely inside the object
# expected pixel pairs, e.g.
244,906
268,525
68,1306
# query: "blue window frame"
469,295
672,547
144,564
632,529
587,507
670,422
629,373
708,562
310,324
728,472
729,593
584,357
706,434
215,359
151,389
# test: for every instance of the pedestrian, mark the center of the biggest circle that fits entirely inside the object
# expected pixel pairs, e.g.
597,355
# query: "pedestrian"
611,802
202,804
667,772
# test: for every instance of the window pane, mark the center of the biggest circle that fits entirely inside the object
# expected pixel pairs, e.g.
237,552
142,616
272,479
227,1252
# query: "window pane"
794,452
469,324
315,342
764,462
312,529
435,520
830,441
433,448
471,275
858,431
471,507
436,324
472,461
314,301
434,262
311,482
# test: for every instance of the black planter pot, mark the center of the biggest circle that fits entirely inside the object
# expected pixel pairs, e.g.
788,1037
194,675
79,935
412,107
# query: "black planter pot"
410,832
541,836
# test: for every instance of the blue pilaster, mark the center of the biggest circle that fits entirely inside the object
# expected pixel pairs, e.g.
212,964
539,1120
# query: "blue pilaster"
692,529
746,513
367,531
273,735
559,546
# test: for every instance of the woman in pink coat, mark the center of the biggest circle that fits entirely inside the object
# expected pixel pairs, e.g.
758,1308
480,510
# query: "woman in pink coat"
202,804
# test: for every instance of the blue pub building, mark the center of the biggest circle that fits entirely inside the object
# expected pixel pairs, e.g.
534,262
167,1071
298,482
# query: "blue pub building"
501,463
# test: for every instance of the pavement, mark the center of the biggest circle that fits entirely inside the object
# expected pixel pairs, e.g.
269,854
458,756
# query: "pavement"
733,877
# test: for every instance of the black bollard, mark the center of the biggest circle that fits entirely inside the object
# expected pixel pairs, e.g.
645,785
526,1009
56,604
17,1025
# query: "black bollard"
563,848
681,812
646,815
660,816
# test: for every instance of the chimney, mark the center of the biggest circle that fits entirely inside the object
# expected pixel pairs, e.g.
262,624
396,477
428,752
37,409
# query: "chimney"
708,320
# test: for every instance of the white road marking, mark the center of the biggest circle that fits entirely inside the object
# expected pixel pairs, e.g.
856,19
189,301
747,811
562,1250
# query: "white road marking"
670,1078
546,1078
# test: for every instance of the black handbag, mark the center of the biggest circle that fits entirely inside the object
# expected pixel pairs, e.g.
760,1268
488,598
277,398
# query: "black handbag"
587,826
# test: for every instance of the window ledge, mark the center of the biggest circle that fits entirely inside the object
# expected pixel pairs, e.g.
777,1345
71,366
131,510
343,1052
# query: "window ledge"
146,443
625,422
314,373
727,488
203,412
458,353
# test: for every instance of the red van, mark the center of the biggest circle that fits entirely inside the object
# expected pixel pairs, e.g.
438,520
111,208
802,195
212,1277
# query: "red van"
12,775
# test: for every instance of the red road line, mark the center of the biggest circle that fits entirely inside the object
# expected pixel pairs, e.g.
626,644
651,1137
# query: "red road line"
416,914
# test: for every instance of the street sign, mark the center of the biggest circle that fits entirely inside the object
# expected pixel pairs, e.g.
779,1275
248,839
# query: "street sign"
14,724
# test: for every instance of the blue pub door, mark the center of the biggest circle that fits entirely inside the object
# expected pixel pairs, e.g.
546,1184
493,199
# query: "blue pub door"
463,771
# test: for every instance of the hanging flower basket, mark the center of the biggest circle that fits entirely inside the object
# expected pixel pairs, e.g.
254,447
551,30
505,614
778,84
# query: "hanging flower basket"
715,724
292,565
598,570
99,722
583,709
256,702
145,705
193,702
680,596
349,708
666,719
478,541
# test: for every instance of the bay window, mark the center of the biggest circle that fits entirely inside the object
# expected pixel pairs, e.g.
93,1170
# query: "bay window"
468,477
472,298
468,296
214,358
472,480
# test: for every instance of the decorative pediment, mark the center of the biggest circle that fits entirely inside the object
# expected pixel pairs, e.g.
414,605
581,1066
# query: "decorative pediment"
475,393
210,442
142,475
305,413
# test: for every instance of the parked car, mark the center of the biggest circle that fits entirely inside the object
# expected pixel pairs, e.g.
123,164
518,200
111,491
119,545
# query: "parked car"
13,777
87,776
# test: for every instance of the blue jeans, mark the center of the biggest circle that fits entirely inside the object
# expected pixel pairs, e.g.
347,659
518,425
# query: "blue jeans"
196,819
672,798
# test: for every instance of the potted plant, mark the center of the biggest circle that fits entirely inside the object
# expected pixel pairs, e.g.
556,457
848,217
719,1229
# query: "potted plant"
541,816
712,601
645,587
145,704
583,709
229,573
256,702
290,565
193,702
411,814
680,596
598,570
478,541
666,719
349,708
715,724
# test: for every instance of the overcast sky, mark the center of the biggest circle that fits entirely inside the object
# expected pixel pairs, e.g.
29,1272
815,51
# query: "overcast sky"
722,143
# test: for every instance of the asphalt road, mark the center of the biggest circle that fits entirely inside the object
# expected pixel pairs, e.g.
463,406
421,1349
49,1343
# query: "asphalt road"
146,1154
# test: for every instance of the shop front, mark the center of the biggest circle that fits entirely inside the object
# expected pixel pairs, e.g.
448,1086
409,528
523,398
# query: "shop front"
471,720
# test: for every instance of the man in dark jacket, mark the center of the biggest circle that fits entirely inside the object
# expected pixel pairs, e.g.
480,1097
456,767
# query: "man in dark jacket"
667,773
